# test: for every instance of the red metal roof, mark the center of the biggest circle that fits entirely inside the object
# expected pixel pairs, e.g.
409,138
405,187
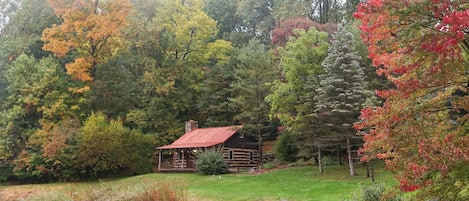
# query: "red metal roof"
203,137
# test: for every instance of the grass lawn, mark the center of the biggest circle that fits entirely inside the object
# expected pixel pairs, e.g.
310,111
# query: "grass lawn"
294,183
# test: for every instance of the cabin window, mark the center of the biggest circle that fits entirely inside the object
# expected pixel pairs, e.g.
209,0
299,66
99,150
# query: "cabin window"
230,155
180,155
251,156
241,134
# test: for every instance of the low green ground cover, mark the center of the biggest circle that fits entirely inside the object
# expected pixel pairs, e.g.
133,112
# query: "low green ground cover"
293,183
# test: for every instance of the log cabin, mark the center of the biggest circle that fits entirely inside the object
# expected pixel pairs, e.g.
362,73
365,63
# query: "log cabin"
238,151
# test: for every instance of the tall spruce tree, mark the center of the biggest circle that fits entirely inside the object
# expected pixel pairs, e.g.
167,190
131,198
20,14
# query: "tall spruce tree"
342,90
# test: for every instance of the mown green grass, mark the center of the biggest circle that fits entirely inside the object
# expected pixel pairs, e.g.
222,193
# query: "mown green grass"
294,183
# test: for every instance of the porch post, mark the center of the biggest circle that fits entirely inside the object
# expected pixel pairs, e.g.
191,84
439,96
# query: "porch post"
159,160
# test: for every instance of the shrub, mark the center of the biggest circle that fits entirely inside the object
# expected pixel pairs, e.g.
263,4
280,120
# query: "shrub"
329,160
164,192
375,192
105,147
286,149
211,163
5,172
302,162
268,165
139,192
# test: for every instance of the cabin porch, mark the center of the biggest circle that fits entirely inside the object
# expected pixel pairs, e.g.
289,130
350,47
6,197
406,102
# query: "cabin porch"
177,160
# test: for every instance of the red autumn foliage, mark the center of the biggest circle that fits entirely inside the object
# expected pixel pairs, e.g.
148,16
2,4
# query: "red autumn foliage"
285,29
421,128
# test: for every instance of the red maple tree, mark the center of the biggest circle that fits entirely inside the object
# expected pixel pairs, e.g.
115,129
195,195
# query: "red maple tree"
422,128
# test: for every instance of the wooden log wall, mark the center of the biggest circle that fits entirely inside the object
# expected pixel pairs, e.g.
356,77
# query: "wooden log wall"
241,157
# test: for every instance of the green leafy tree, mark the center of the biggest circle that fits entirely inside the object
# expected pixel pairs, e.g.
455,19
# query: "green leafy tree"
224,12
286,149
115,87
50,153
107,146
290,9
257,18
37,96
293,96
183,44
22,34
342,91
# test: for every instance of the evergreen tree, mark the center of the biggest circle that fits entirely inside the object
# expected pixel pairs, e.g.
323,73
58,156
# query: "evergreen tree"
214,104
342,90
250,87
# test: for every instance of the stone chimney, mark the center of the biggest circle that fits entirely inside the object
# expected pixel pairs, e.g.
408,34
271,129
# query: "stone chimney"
191,125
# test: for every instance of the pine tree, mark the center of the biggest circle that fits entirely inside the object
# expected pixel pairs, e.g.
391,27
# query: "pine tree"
253,74
342,90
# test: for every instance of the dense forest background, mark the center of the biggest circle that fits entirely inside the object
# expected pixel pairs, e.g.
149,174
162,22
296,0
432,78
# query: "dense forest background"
90,88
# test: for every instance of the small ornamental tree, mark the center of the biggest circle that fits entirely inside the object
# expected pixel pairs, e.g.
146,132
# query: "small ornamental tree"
211,163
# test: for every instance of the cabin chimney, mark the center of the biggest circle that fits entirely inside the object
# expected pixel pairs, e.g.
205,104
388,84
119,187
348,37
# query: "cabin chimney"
191,125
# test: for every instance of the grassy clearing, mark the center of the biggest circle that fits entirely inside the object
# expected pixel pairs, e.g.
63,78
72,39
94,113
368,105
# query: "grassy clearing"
295,183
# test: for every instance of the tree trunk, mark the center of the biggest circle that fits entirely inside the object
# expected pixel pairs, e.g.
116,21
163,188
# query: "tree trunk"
350,158
261,157
367,169
338,155
319,158
372,172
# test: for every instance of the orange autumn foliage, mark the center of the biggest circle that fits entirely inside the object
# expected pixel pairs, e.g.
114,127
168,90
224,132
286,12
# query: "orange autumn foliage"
89,29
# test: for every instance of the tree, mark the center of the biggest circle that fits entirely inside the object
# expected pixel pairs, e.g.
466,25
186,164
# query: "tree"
22,34
37,98
285,149
421,130
257,18
6,8
320,11
214,104
90,30
115,87
293,96
224,12
253,73
104,147
290,9
285,29
171,65
343,90
323,11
